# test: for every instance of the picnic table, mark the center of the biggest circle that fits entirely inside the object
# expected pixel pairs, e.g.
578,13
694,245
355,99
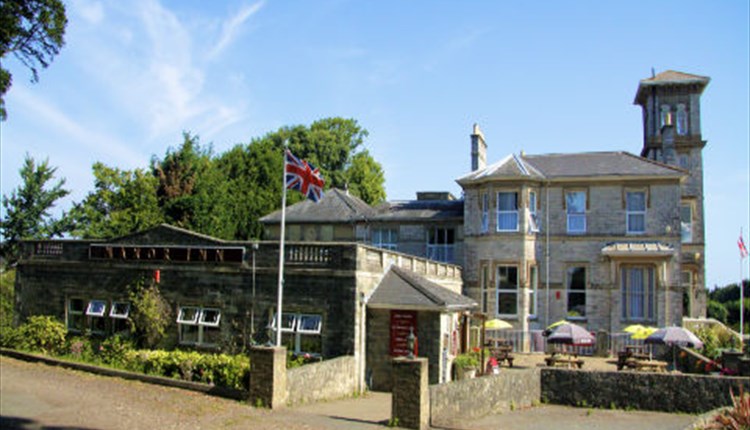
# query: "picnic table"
501,350
560,359
634,358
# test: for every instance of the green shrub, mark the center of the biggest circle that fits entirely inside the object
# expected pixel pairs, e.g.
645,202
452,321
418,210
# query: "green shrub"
466,361
7,288
113,350
42,334
8,336
151,314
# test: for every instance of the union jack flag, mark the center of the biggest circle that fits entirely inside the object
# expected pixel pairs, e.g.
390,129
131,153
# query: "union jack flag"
303,177
743,248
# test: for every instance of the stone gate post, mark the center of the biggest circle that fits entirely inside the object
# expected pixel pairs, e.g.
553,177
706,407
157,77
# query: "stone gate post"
410,404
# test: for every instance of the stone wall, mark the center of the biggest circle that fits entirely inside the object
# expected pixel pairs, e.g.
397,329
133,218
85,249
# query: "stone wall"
330,379
639,390
473,398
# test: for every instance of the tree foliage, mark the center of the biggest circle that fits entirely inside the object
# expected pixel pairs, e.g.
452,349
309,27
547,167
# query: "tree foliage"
33,31
123,201
724,305
27,210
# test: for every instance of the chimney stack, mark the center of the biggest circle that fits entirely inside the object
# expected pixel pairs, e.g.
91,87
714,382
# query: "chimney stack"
478,149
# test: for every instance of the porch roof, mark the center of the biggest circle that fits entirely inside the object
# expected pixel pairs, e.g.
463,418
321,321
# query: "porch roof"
401,289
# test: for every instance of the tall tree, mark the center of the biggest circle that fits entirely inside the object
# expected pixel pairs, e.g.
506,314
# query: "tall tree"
122,202
254,175
27,210
33,31
192,193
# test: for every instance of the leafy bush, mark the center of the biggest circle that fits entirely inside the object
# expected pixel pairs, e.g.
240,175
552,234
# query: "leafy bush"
7,282
42,334
217,369
714,340
113,350
466,361
151,314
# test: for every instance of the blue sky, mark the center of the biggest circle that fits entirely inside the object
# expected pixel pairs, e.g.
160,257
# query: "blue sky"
543,77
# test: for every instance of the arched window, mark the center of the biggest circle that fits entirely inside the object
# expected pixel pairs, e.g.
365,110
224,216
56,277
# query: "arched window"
682,122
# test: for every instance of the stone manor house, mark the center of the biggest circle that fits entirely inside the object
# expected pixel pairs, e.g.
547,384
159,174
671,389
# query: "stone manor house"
605,239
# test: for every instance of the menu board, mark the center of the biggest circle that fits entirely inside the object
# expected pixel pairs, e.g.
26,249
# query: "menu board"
401,323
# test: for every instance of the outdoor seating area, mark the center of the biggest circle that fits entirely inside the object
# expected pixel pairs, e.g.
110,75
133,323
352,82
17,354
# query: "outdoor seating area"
501,351
557,358
636,358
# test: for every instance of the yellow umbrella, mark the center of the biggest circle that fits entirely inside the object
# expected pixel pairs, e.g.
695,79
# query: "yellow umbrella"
555,324
633,328
643,333
497,324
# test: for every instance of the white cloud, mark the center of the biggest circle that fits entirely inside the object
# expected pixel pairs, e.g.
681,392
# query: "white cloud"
230,28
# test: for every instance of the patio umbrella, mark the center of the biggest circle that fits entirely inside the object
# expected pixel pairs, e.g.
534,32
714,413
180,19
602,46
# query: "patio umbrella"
497,324
643,333
550,328
571,334
633,328
674,336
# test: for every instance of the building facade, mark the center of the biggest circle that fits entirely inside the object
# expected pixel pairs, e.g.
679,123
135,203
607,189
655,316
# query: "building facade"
604,239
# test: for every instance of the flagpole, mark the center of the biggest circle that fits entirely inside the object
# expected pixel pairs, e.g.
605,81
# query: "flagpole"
742,302
281,253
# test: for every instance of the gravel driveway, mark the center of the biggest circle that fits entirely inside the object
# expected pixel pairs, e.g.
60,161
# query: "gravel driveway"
38,396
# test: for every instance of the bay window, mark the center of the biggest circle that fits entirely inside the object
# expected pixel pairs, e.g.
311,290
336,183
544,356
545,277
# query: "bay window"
507,211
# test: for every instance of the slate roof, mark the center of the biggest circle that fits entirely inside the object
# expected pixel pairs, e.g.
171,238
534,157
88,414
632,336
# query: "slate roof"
336,206
670,77
403,289
633,249
420,210
575,165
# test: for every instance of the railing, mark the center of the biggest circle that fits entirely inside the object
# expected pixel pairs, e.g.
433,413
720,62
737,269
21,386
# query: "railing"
308,254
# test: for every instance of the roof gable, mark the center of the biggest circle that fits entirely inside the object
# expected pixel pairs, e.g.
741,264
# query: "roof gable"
510,167
165,234
336,206
402,289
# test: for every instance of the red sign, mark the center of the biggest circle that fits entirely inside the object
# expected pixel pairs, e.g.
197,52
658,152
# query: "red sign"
402,322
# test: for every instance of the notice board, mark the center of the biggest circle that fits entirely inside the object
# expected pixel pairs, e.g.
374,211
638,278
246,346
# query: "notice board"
401,323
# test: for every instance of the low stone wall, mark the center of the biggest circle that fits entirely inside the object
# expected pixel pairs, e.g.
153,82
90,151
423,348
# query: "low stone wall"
329,379
473,398
639,390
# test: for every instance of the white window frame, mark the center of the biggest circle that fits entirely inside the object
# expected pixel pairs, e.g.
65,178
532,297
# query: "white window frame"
72,313
485,227
499,291
207,311
119,315
533,291
577,292
533,219
385,238
576,215
93,312
686,228
443,249
633,212
198,320
297,330
638,305
507,212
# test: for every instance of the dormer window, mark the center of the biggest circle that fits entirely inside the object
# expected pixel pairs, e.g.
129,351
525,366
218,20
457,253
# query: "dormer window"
682,121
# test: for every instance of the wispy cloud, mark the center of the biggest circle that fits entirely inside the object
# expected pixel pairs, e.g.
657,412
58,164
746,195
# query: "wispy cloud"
231,27
68,129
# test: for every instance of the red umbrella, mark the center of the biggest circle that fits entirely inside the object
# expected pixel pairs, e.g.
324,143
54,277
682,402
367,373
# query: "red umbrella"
571,334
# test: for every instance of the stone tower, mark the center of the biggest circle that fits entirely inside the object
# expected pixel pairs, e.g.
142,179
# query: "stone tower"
672,135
